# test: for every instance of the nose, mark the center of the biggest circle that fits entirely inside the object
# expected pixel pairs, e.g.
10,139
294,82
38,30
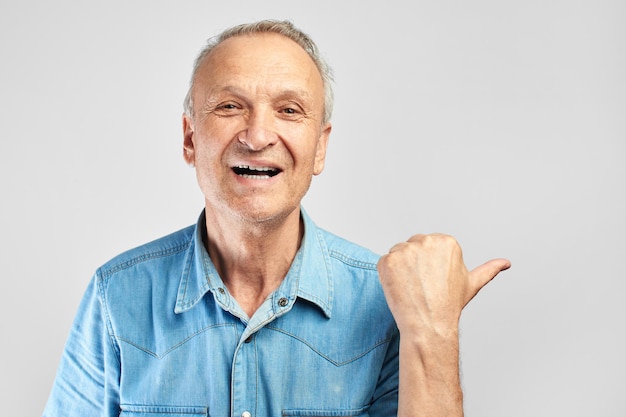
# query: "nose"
259,132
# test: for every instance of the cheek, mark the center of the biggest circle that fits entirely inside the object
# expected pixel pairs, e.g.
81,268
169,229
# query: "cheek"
211,145
301,142
304,161
219,131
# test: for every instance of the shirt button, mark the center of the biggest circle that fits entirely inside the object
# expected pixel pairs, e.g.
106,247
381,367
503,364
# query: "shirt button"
246,414
283,302
221,290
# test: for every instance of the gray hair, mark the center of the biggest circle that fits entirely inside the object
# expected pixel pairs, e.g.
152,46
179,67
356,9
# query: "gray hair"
284,28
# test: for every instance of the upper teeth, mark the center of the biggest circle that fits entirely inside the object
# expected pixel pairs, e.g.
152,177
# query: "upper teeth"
256,168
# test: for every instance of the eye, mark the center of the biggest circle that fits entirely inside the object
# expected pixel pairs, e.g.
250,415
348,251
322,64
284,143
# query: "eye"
227,108
290,110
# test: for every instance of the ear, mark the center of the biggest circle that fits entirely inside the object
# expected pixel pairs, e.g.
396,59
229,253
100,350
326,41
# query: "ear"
320,153
189,147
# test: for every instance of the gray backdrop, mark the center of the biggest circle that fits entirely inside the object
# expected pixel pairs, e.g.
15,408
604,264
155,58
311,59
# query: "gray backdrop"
502,123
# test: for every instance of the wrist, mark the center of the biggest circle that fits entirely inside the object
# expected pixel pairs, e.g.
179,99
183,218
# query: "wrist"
434,345
432,358
421,332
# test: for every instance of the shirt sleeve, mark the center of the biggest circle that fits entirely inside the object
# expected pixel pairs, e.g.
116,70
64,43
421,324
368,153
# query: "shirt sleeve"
385,402
87,380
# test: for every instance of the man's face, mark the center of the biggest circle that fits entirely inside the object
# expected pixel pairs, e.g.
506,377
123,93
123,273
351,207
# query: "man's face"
256,135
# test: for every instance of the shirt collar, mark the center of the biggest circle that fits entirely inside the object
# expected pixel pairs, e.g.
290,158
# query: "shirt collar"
310,276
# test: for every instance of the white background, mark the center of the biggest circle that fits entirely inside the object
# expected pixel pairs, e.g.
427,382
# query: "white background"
502,123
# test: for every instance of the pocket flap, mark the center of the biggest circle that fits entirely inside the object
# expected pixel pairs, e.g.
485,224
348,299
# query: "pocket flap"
162,411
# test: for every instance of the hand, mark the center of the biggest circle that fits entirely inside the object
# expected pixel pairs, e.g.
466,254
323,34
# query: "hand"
427,285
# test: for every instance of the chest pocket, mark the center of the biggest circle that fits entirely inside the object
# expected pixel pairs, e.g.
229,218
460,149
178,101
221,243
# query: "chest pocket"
162,411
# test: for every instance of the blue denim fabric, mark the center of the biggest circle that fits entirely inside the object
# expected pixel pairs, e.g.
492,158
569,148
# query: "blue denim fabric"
157,334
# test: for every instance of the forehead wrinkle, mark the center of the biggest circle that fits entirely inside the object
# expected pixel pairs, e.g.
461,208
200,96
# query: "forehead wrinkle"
295,93
215,91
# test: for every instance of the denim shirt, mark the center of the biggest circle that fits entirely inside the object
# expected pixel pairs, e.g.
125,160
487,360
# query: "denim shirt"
157,334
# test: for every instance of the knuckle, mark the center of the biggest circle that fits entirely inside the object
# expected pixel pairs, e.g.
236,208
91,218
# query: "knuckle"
450,240
443,240
396,259
417,238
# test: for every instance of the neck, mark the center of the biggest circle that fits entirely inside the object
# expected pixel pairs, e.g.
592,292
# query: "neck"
252,257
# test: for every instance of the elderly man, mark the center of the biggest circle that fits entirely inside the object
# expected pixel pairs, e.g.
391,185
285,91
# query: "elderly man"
255,311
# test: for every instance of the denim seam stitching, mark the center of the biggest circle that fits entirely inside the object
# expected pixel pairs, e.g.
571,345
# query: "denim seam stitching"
351,261
143,258
340,413
176,346
329,273
336,363
107,318
140,408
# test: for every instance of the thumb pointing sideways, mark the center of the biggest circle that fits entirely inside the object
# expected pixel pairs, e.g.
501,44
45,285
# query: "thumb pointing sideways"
481,275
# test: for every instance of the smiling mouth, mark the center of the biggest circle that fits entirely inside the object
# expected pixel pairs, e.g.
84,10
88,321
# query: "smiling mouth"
260,173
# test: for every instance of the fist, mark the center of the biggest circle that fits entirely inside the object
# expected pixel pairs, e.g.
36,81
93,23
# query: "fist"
427,285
